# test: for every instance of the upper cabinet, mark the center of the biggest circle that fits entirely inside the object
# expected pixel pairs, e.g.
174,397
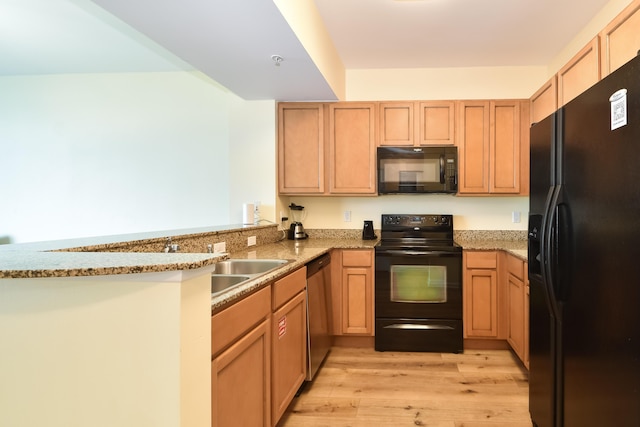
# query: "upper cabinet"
545,101
406,123
491,137
620,40
352,148
326,148
436,120
615,45
397,123
330,148
301,148
579,74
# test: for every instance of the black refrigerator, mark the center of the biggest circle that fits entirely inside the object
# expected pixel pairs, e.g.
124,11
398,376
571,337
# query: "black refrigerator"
584,258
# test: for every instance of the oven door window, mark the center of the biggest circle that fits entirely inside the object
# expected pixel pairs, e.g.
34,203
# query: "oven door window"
419,283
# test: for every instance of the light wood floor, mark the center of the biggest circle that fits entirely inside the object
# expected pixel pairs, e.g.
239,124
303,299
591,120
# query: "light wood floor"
360,387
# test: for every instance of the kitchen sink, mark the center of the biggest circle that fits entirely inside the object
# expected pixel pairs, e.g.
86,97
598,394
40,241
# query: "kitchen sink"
233,272
248,266
222,282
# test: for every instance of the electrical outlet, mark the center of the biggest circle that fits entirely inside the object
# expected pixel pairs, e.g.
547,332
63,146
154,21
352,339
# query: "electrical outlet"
220,247
251,241
515,217
347,216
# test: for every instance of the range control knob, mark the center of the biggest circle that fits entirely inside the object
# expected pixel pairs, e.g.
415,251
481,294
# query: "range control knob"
444,220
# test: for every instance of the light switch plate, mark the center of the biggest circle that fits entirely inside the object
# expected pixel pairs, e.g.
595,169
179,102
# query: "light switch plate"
251,240
220,247
515,217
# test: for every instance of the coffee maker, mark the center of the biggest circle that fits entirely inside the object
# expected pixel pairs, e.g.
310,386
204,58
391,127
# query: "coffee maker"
296,230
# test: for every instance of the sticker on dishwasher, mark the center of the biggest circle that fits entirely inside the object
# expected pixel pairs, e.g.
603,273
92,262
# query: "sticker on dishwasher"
282,327
618,109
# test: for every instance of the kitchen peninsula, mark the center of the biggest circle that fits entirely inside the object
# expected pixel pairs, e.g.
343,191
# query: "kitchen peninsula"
113,331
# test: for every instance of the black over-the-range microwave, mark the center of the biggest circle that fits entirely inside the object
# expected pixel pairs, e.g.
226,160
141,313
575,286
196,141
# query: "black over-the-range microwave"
417,170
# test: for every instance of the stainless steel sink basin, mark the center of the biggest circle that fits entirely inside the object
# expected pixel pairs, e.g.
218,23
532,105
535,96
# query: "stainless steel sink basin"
248,266
233,272
222,282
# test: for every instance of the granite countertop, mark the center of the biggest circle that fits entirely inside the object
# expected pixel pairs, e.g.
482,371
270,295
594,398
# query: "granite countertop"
30,264
110,255
517,248
299,252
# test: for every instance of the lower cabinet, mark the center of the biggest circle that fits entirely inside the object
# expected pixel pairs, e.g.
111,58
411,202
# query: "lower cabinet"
259,354
241,365
480,294
352,292
515,283
289,341
496,300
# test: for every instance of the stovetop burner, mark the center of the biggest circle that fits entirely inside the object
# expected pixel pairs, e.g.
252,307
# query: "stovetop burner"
403,231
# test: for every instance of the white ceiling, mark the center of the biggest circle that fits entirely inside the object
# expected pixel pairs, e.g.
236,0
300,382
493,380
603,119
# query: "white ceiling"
232,40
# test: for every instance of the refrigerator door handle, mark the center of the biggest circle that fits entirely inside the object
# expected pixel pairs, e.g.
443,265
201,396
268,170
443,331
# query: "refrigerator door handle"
550,250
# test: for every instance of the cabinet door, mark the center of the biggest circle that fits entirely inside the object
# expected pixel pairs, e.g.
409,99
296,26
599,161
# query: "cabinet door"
620,40
545,101
579,74
480,294
516,334
357,301
301,148
241,381
481,303
396,123
504,147
436,123
473,146
352,148
289,353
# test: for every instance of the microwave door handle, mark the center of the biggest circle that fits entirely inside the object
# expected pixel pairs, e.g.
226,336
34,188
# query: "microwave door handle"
441,168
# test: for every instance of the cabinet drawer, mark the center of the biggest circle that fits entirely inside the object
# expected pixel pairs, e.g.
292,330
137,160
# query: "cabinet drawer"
482,259
289,286
233,322
515,266
356,258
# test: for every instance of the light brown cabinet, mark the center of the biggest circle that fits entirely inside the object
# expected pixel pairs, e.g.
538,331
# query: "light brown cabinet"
480,295
545,101
490,141
396,123
620,40
241,364
289,341
352,148
352,290
580,73
406,123
436,121
301,148
326,149
517,302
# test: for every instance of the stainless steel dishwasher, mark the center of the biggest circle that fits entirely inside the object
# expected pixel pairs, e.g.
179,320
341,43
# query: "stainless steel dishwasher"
318,296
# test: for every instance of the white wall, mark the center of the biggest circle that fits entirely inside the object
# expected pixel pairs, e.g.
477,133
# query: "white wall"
252,152
444,83
99,154
470,213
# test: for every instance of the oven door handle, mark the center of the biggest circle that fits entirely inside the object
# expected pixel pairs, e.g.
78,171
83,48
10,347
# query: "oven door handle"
414,253
417,326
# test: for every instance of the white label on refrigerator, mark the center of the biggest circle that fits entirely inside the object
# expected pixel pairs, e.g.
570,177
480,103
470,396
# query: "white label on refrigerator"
618,109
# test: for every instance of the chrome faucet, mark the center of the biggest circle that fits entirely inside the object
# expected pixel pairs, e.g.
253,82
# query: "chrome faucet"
170,247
